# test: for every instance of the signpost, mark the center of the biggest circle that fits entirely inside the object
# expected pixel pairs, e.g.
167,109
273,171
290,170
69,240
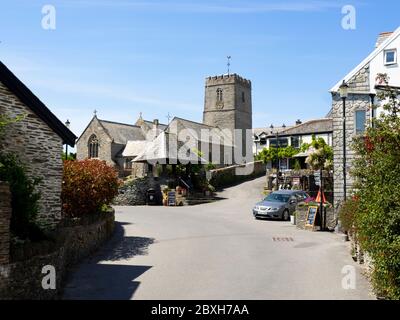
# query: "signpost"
311,216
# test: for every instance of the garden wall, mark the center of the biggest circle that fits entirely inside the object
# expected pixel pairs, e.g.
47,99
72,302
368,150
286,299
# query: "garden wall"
225,177
21,275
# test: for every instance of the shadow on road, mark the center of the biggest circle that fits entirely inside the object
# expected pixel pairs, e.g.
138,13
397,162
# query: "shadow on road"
120,247
97,279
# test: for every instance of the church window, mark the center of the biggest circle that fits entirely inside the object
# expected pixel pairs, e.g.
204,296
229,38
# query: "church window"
93,147
219,95
243,97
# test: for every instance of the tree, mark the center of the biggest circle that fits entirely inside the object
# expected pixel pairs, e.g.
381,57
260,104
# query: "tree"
273,154
376,171
321,156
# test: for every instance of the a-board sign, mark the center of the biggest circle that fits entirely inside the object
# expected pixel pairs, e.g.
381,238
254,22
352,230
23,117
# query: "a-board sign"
311,216
171,198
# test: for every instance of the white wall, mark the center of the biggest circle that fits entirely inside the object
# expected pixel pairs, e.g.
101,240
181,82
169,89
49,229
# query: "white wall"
377,65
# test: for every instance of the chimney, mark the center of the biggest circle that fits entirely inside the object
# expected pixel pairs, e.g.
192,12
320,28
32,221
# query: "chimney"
298,122
155,124
382,37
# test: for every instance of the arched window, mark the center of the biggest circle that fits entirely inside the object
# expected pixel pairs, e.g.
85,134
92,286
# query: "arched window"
93,147
219,95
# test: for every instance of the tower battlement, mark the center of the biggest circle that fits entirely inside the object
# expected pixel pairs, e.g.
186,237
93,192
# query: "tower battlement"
227,79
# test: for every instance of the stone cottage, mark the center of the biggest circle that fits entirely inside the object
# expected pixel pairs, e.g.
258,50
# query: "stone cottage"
38,141
361,105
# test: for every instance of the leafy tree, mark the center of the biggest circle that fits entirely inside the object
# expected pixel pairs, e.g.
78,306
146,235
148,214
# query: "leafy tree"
377,189
273,154
321,156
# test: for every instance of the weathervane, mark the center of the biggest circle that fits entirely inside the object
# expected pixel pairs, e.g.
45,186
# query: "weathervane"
168,117
229,63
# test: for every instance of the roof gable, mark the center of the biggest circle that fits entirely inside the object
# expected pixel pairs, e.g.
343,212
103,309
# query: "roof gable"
38,107
367,60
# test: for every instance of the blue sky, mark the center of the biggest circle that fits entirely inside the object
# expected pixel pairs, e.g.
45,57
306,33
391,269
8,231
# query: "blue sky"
123,57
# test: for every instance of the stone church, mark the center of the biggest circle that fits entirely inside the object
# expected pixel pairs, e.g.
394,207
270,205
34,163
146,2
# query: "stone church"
130,147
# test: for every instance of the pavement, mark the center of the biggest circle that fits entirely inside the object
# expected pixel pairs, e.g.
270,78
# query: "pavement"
216,251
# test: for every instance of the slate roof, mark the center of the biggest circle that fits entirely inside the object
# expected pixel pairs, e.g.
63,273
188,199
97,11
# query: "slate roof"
37,106
323,125
267,131
134,148
121,132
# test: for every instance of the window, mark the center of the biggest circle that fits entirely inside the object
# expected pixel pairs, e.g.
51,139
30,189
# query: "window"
282,143
360,121
93,146
219,95
128,163
390,56
243,97
263,141
295,142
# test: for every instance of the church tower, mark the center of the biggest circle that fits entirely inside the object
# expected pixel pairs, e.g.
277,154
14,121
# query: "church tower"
227,102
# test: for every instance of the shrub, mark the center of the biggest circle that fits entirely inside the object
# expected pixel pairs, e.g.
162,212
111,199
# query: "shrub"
24,198
347,215
377,188
87,186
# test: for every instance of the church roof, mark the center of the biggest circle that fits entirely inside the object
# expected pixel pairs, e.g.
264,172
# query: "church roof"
121,132
38,107
134,148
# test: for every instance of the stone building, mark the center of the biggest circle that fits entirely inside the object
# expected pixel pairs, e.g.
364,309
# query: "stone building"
227,106
38,141
361,104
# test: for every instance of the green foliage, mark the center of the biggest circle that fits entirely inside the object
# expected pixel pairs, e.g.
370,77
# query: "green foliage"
87,186
297,165
273,154
347,215
71,156
24,198
7,120
377,188
322,155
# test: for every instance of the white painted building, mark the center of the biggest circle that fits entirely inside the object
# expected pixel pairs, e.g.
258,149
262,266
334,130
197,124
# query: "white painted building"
361,105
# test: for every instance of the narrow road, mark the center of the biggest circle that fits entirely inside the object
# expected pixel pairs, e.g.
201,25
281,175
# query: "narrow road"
214,251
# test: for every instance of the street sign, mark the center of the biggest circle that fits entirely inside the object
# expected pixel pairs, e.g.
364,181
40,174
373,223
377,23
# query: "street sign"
311,216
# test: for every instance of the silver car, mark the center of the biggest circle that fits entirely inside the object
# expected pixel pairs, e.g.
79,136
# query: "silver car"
279,204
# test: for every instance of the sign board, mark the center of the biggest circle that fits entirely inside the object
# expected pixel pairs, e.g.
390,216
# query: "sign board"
311,216
171,198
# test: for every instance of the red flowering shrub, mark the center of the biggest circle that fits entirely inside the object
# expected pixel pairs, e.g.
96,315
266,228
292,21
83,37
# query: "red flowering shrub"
87,186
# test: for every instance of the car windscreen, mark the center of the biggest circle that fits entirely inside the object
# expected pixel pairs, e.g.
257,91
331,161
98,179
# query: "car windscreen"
277,197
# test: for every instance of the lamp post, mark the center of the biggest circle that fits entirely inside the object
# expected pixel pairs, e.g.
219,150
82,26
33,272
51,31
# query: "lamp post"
343,91
67,124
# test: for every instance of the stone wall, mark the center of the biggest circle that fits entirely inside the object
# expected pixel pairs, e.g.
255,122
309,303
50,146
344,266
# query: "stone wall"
358,99
228,176
134,192
5,216
105,142
23,279
40,148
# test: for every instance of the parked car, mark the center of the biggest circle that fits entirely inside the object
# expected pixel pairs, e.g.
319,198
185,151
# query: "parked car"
279,204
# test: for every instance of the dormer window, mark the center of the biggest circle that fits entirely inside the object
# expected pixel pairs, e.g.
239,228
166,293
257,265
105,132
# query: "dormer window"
390,57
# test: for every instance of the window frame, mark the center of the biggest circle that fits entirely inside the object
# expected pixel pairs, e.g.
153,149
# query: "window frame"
358,133
385,52
93,147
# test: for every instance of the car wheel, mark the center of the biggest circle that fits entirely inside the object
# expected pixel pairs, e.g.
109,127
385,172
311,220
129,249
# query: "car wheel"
286,215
